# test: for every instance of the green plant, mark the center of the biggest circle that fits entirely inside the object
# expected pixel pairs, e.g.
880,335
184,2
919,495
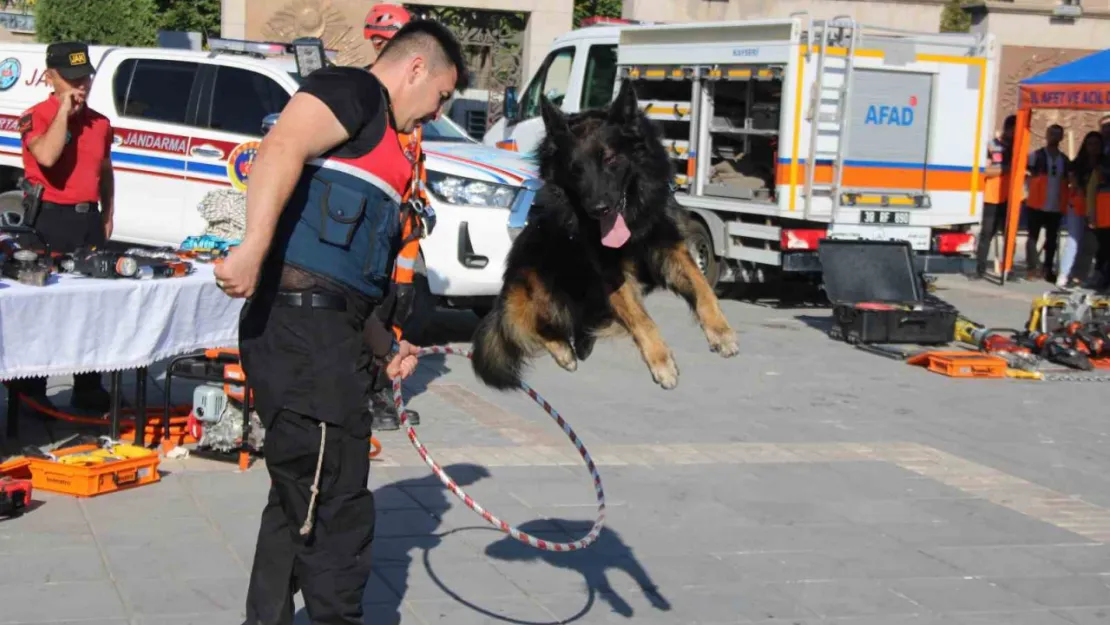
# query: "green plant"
953,18
201,16
103,22
591,8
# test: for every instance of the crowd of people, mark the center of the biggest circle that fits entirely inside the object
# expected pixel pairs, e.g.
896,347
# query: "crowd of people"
1063,191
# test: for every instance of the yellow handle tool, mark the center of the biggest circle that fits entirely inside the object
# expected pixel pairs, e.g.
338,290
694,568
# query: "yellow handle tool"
1024,375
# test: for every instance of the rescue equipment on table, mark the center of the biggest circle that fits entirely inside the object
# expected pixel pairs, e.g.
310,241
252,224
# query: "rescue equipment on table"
32,202
105,264
206,247
20,262
225,212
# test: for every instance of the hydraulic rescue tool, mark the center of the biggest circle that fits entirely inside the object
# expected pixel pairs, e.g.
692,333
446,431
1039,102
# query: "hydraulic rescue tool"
23,263
1001,342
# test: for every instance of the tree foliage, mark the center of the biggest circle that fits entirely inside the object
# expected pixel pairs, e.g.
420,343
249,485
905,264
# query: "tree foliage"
953,18
591,8
103,22
202,16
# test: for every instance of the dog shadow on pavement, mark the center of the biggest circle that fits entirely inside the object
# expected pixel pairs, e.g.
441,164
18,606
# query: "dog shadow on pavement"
608,553
410,525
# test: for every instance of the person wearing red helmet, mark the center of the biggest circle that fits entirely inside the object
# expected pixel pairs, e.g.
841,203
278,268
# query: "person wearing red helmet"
382,22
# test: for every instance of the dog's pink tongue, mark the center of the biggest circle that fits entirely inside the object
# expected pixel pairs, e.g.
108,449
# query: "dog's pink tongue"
614,232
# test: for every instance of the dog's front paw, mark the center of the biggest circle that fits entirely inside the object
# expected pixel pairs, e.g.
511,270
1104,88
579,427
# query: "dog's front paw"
665,373
564,355
723,343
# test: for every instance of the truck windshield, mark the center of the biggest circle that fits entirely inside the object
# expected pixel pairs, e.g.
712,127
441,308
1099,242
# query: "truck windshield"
442,129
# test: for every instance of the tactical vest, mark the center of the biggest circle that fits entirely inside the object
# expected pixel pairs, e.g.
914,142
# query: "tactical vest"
997,190
1039,181
348,217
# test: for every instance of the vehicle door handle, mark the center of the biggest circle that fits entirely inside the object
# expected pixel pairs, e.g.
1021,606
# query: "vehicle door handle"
206,150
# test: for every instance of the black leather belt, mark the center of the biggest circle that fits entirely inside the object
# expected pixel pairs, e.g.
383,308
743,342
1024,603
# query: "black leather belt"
83,207
321,301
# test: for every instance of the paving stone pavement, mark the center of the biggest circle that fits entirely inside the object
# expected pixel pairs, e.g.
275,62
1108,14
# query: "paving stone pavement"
801,482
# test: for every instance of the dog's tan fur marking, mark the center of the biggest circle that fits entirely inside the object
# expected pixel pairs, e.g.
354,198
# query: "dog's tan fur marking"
684,278
531,312
628,307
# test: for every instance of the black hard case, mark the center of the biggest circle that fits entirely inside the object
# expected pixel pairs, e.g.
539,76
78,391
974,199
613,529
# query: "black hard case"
881,272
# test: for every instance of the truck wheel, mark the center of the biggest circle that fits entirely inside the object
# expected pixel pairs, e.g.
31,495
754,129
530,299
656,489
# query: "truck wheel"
11,208
700,245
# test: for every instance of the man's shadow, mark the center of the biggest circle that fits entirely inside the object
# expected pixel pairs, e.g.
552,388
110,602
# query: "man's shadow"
609,552
410,513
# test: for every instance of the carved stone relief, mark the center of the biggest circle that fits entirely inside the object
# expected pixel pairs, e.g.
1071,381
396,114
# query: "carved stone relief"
336,27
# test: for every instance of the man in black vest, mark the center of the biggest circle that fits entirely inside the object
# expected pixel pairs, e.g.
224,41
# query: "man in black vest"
323,231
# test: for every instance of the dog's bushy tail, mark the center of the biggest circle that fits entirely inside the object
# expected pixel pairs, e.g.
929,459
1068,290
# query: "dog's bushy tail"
497,358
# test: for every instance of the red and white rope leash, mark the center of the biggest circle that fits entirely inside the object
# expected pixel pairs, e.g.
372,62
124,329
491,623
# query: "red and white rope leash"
523,537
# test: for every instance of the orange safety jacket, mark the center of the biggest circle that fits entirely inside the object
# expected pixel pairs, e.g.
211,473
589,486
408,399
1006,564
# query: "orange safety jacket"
412,229
1099,214
996,190
1039,180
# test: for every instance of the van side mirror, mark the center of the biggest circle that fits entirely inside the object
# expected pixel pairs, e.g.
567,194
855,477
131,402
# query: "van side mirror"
512,105
269,121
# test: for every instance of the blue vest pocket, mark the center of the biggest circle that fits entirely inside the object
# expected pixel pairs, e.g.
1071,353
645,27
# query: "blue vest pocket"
341,210
385,232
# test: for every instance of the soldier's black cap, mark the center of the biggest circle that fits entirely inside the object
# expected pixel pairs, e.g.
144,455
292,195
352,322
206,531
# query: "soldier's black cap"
70,59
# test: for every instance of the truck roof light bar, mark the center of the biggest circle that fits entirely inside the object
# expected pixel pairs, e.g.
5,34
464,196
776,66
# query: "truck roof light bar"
308,51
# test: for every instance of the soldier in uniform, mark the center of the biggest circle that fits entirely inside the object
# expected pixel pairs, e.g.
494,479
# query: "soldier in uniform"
323,231
67,149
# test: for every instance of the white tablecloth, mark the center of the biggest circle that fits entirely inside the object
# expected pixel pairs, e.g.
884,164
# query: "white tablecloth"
76,324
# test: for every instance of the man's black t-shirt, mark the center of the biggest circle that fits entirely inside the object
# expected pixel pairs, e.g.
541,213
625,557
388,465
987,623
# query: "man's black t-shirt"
361,104
358,101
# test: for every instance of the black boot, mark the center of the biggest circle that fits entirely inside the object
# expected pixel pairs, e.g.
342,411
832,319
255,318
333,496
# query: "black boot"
89,395
384,412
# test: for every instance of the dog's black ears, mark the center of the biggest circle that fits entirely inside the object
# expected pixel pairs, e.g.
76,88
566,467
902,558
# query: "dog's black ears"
553,119
624,108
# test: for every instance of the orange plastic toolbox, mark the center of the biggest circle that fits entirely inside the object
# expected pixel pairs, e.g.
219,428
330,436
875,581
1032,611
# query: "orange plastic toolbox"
90,480
962,364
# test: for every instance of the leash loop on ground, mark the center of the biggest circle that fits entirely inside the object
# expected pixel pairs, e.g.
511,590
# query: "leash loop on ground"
523,537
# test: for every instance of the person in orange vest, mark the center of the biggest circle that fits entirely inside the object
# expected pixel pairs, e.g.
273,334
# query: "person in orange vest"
1048,185
382,22
1000,154
1094,183
1076,222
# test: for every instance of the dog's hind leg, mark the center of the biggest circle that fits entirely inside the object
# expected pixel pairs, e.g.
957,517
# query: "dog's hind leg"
684,278
628,307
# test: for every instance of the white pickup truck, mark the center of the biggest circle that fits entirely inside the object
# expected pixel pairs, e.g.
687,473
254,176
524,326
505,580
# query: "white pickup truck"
188,122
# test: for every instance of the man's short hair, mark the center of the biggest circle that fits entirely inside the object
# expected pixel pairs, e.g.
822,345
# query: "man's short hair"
435,42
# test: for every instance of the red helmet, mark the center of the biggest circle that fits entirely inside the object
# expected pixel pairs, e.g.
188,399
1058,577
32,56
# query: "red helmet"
384,20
